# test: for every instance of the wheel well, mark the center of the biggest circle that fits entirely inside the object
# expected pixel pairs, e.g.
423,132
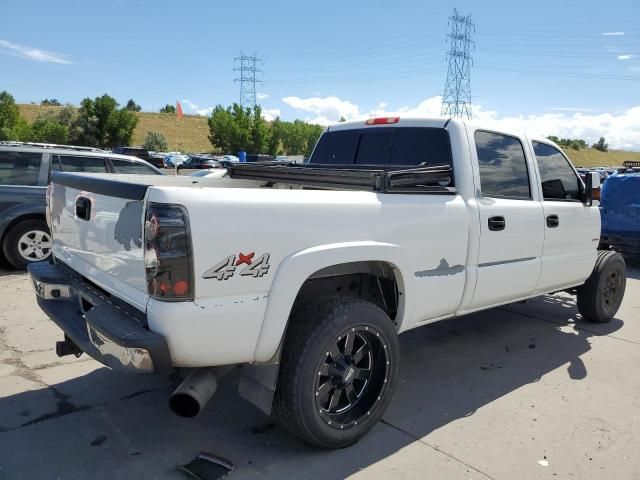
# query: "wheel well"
374,281
17,220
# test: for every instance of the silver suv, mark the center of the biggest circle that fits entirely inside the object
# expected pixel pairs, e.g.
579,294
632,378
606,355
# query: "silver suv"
25,169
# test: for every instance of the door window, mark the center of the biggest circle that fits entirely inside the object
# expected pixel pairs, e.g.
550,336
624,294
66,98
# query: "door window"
559,181
503,166
82,164
19,168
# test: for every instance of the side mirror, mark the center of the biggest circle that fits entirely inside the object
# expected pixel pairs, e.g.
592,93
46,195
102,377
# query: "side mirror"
592,184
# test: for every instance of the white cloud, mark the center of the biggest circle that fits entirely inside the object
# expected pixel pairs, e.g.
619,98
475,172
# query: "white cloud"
204,112
575,109
262,96
31,53
621,129
613,34
328,110
195,108
190,104
270,114
626,56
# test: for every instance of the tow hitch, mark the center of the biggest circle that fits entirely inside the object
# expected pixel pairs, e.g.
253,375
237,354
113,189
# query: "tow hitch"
67,347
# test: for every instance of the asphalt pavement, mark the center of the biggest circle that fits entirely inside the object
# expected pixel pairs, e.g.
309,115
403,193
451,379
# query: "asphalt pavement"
527,391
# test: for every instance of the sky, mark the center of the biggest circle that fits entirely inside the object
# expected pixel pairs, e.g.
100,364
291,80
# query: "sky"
567,68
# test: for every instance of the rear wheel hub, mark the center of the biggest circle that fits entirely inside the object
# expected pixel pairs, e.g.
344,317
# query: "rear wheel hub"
352,376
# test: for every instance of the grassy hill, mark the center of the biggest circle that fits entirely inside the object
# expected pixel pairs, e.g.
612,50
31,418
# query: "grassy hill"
190,135
186,135
590,157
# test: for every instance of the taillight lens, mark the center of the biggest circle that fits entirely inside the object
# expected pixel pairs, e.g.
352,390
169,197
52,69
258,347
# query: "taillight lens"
167,256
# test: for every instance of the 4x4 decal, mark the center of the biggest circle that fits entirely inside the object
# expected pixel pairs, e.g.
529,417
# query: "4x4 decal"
227,267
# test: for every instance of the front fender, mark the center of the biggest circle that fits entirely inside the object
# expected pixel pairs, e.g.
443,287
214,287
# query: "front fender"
294,270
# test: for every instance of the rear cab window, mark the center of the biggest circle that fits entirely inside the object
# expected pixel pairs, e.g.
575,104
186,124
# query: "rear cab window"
559,180
384,146
20,168
503,166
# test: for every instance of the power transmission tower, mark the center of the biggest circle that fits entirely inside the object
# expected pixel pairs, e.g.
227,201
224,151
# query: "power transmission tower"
456,101
247,79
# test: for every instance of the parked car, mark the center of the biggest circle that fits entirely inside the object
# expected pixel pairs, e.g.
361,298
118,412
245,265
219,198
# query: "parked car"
140,153
305,274
209,173
172,159
259,157
200,161
620,211
24,173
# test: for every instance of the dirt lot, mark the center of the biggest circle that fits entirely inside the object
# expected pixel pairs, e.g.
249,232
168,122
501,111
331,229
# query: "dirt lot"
525,391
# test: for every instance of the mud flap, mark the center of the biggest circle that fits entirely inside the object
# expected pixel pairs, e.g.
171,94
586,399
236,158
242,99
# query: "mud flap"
258,385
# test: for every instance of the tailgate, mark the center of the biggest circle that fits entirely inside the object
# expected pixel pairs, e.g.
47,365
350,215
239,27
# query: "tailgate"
96,223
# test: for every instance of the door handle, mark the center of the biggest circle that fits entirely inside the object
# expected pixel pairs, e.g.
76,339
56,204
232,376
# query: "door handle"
497,224
83,208
553,221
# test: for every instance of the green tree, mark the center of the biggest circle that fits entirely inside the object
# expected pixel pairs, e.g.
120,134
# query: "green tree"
100,123
132,106
168,109
221,129
20,131
49,130
274,143
259,131
601,145
155,141
119,128
295,139
50,102
9,116
241,128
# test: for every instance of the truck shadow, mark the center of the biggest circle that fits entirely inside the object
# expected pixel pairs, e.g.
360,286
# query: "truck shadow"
449,370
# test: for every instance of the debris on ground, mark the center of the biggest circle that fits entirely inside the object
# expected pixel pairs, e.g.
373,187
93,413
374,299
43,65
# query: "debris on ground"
208,466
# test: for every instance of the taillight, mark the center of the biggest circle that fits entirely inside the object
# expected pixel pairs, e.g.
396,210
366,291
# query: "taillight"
167,255
382,120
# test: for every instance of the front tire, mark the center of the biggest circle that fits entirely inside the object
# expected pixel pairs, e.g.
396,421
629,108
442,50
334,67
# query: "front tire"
601,295
339,369
27,242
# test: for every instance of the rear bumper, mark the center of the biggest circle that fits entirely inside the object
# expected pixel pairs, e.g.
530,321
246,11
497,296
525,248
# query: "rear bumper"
110,331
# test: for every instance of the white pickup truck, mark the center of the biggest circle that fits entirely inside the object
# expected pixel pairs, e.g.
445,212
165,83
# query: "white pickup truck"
304,275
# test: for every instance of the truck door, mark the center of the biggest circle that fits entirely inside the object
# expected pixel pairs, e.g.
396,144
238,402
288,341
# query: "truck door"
572,230
511,219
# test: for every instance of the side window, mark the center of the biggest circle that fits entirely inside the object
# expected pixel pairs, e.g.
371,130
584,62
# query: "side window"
122,166
559,181
82,164
503,166
19,168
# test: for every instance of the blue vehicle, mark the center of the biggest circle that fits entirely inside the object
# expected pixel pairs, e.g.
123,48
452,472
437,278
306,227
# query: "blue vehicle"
620,211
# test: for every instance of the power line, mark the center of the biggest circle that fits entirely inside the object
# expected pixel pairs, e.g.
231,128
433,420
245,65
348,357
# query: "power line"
456,101
248,79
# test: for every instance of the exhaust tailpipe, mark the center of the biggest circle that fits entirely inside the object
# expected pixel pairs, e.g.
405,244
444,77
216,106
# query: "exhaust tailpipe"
194,392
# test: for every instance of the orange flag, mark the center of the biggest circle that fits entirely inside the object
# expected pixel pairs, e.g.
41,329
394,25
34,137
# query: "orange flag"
179,113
